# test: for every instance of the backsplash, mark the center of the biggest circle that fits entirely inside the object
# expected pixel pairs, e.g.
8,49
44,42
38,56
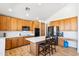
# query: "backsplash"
16,33
70,34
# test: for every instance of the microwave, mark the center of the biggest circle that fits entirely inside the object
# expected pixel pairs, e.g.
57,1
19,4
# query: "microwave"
25,28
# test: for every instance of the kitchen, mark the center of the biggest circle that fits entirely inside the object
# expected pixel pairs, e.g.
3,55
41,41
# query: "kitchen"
17,32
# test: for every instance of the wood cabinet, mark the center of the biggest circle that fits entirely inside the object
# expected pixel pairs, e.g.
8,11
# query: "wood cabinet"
8,43
61,25
60,41
8,23
14,24
52,23
74,24
42,29
36,24
56,23
25,42
20,41
14,42
19,24
3,25
67,24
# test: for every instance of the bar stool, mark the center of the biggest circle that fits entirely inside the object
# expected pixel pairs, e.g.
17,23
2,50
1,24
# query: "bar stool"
44,48
53,43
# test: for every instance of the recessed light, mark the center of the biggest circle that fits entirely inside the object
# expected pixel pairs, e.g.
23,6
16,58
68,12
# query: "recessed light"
39,4
37,18
27,14
10,10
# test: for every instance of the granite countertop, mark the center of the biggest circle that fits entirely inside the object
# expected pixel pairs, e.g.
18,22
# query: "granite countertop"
36,39
69,39
16,36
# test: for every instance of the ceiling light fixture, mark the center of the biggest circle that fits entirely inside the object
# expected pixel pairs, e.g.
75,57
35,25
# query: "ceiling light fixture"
27,11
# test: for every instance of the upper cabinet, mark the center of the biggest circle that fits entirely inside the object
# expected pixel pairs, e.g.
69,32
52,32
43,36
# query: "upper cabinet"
3,23
19,24
68,24
61,25
42,29
74,24
14,24
35,24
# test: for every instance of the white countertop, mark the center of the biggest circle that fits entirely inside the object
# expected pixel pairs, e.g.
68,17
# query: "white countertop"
36,39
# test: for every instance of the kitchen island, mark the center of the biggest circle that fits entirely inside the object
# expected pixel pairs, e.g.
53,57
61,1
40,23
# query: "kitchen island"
34,41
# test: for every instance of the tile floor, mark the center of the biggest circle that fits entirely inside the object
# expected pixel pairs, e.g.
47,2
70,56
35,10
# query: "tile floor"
24,51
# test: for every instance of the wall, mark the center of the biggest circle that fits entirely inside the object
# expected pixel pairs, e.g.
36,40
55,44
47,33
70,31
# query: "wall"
16,33
72,35
68,11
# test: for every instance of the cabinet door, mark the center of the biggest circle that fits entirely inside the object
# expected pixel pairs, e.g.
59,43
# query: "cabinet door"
0,23
8,44
56,23
25,42
51,23
74,23
36,24
23,23
13,24
20,41
61,42
19,24
67,24
14,42
61,25
30,25
42,29
8,23
3,26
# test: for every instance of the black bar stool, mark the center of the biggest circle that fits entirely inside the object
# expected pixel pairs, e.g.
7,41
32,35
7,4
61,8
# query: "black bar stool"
44,48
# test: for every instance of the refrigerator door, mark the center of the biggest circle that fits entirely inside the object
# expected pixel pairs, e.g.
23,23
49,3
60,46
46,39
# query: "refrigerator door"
37,32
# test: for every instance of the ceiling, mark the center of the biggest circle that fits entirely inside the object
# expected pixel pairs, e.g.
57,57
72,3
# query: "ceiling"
41,11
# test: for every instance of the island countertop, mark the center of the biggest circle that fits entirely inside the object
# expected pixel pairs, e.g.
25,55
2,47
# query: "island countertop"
36,39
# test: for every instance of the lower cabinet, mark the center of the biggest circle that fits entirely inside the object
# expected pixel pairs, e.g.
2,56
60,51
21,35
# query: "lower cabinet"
60,41
8,43
20,41
16,42
25,41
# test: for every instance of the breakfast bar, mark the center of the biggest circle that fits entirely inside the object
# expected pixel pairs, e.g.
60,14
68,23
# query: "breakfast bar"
34,41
